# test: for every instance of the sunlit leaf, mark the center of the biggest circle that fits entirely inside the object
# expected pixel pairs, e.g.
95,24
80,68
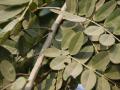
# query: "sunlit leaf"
88,79
106,40
19,84
105,10
59,62
13,2
103,84
52,52
8,13
93,32
7,70
73,69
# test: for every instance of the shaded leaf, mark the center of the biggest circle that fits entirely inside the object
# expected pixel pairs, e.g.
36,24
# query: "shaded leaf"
7,70
113,72
103,84
67,39
73,69
49,82
100,61
85,54
58,63
19,84
113,21
114,54
105,10
106,40
76,43
88,79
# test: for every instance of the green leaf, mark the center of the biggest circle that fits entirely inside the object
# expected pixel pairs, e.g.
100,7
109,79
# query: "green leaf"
71,5
52,52
99,4
19,84
10,12
103,84
100,61
4,33
106,40
86,7
113,21
67,39
7,70
69,16
85,54
76,43
23,46
105,10
88,79
114,54
113,72
4,53
73,69
59,62
49,82
13,2
59,80
93,32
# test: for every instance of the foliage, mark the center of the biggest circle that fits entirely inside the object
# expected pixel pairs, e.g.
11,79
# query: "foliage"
85,49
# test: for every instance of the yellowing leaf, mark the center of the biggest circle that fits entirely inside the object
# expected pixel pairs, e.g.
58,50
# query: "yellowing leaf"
105,10
76,43
88,79
103,84
59,62
73,69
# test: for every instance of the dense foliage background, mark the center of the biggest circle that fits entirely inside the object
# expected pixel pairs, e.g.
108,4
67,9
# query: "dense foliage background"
85,48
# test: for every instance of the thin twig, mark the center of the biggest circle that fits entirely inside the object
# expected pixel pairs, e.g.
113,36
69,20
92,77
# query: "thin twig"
40,58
